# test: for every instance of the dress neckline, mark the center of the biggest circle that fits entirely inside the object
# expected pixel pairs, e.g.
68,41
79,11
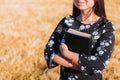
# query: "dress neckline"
88,23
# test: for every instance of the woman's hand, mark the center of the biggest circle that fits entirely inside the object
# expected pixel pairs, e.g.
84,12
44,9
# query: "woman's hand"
64,50
71,56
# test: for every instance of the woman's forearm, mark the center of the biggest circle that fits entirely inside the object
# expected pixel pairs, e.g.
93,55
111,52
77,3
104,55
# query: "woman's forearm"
72,56
62,61
75,58
59,59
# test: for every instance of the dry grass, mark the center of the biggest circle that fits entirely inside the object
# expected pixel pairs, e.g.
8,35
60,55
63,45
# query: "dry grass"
25,27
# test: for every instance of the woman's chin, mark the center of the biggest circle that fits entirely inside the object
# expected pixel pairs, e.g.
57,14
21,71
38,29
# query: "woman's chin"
82,8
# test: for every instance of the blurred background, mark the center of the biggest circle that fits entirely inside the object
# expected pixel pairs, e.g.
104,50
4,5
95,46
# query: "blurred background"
25,27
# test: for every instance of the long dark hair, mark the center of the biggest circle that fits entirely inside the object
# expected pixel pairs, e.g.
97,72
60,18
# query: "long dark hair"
99,9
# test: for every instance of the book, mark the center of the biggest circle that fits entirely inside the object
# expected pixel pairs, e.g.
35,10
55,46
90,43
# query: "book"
79,42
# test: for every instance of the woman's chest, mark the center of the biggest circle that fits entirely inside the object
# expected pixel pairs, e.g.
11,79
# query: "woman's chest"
94,31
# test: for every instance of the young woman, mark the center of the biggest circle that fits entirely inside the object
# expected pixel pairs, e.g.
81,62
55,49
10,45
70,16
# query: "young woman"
88,16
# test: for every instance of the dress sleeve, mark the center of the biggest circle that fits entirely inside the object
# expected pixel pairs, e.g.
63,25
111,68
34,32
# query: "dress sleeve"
94,64
52,46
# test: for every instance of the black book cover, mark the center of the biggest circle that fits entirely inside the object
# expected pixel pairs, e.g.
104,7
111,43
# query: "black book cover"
79,42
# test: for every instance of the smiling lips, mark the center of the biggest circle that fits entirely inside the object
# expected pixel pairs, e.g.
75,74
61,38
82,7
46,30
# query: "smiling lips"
81,3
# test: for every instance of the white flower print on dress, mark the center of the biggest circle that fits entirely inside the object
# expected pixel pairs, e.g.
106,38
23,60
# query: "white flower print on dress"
76,77
105,50
104,31
114,32
52,64
110,41
101,52
70,77
82,27
107,44
113,26
96,37
46,57
97,71
87,26
52,37
83,68
95,33
92,58
102,43
69,21
85,74
92,46
51,49
106,62
99,48
59,31
53,55
63,41
50,43
73,79
103,25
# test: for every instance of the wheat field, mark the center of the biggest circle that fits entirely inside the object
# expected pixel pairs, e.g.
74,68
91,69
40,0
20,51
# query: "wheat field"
25,27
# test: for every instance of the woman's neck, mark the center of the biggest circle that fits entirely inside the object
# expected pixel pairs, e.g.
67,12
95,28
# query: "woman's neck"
88,16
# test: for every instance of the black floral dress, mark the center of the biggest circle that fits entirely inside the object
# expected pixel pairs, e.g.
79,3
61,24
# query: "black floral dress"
103,37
